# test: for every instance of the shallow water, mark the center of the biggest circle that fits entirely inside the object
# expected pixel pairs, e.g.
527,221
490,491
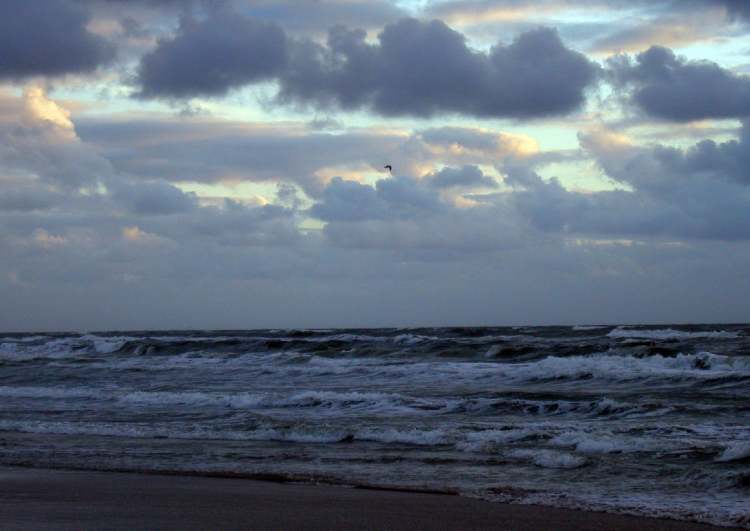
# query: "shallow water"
646,420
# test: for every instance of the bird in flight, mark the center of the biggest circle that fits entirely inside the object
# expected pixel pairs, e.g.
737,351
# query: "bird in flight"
389,168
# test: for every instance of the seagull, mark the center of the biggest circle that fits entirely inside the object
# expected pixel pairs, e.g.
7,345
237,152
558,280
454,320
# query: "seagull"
389,168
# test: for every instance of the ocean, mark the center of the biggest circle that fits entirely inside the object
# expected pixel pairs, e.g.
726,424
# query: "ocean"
641,420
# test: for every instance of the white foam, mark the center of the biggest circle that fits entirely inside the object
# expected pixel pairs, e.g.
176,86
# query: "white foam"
548,458
23,339
321,402
703,365
489,441
294,435
56,348
493,351
735,451
669,333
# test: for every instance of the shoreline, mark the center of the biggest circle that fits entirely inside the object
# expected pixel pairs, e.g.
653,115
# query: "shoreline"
40,499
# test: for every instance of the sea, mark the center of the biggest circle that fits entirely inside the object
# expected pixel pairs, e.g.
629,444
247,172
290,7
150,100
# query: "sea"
646,420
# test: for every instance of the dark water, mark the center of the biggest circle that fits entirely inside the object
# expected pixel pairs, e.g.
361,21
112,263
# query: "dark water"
647,420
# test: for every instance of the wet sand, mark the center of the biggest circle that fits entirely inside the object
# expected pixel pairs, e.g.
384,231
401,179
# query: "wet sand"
35,499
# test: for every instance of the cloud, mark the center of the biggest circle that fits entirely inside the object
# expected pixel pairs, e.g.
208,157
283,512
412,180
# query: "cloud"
39,108
685,195
204,149
670,31
212,56
348,201
210,150
26,196
396,197
464,177
152,198
660,167
412,215
38,139
416,68
314,16
474,145
48,38
425,68
735,9
669,87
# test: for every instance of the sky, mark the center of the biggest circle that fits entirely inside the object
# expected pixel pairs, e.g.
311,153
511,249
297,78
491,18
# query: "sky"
219,164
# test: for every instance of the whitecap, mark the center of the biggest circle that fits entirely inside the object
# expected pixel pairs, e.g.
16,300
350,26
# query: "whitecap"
735,451
668,333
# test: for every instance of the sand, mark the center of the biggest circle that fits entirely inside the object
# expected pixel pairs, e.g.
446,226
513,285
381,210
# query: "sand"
36,499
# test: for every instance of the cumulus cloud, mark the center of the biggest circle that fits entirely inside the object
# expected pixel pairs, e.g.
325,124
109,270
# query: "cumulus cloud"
413,215
662,167
48,38
464,177
397,197
688,194
211,56
670,87
40,141
425,68
416,68
152,198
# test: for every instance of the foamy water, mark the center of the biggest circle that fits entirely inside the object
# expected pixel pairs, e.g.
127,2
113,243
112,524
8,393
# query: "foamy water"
640,420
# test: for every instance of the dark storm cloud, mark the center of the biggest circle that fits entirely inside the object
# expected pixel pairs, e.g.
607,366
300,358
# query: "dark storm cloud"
669,87
212,56
48,38
416,68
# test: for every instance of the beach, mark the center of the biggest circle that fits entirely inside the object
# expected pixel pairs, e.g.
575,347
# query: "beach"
41,499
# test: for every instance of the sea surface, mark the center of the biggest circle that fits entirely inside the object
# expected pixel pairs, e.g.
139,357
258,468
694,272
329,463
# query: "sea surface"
633,419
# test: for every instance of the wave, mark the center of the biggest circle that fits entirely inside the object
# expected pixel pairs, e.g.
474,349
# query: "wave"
549,458
46,392
378,404
427,437
323,402
488,441
670,334
735,452
700,366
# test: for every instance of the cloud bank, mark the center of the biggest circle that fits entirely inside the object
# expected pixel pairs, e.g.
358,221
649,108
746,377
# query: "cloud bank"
416,68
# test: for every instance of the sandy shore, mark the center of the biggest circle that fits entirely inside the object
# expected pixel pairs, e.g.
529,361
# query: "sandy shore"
33,499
